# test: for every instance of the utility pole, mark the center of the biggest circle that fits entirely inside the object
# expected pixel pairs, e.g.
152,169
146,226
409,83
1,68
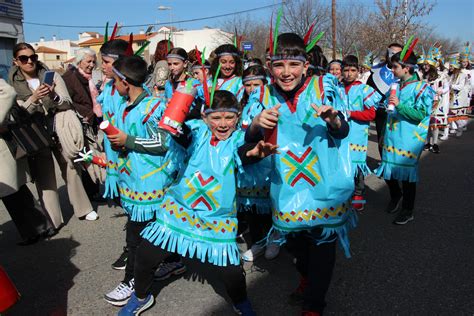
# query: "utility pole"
334,29
405,9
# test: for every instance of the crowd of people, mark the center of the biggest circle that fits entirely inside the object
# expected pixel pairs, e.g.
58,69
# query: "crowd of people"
276,147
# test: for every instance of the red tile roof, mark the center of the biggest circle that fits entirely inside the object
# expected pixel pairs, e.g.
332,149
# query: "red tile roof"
48,50
136,38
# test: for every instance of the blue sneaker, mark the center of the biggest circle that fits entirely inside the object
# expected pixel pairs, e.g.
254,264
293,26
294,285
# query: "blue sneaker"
244,309
136,306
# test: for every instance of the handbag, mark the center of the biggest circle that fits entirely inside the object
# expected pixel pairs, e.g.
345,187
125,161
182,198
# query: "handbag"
27,134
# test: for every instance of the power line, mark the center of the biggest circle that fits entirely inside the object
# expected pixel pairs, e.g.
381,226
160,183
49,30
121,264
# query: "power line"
174,22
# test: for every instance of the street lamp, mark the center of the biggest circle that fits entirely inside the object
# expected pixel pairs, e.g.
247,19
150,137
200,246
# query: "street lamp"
164,8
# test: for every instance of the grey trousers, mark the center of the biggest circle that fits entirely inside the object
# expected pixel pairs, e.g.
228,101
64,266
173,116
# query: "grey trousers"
43,172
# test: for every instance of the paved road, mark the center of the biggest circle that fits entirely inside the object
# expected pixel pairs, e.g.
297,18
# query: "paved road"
424,267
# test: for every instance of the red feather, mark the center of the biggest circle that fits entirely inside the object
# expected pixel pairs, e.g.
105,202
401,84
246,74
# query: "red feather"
410,50
114,32
205,87
129,51
198,55
308,34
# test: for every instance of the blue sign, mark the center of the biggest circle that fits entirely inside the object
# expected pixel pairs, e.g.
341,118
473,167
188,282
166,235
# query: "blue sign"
247,46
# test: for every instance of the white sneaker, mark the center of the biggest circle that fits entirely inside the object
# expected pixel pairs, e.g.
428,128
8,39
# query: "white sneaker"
253,253
92,216
121,294
273,249
444,137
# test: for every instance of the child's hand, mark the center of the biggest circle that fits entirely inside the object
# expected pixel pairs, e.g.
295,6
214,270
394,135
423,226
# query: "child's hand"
268,118
393,99
262,150
328,114
118,140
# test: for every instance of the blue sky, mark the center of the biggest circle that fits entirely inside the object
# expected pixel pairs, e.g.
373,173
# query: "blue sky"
451,18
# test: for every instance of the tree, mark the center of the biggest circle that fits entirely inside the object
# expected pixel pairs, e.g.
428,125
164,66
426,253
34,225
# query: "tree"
251,30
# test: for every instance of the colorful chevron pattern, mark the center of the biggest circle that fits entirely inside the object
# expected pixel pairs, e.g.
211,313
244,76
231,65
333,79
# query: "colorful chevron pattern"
141,196
400,152
301,168
201,191
223,226
124,166
311,215
356,147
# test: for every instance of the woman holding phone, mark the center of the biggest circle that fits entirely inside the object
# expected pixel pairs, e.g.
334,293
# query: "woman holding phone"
43,100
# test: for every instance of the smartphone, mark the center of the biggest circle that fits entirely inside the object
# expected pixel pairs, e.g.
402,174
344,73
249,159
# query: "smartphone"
48,78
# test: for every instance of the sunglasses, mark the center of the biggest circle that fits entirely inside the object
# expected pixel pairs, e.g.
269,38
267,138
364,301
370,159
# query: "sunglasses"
24,59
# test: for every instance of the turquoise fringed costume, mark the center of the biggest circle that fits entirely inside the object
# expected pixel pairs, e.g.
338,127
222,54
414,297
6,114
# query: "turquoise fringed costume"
405,135
254,188
233,84
358,98
111,102
198,213
142,177
312,182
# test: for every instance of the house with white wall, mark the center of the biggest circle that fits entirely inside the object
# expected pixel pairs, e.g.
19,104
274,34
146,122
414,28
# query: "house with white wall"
188,39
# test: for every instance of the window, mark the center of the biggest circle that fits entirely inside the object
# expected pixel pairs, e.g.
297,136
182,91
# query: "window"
58,57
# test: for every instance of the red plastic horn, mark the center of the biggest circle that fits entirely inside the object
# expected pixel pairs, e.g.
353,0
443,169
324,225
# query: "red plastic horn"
108,128
8,293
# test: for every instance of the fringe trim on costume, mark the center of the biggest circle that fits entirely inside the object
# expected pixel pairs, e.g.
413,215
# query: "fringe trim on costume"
362,167
110,185
140,213
220,252
401,173
327,235
263,206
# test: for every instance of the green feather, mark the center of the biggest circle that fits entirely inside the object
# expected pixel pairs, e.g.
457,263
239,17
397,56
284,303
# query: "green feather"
106,36
214,84
141,49
314,41
203,57
405,48
277,25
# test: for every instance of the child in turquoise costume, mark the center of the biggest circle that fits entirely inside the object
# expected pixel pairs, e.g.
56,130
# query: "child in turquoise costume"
178,62
145,169
253,193
405,135
312,183
198,215
111,101
361,102
230,74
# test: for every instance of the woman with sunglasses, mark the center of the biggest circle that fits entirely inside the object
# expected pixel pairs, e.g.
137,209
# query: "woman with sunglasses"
43,101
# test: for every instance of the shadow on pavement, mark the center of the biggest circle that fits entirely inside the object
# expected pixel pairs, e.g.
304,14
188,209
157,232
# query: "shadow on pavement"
43,274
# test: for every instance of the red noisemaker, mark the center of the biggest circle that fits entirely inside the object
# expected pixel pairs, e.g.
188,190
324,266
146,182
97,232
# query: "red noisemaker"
270,135
96,160
178,108
108,128
8,293
393,92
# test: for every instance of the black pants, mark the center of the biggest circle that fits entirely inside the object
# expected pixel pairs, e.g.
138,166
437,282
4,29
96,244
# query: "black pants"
408,191
29,220
259,224
359,183
315,263
133,240
149,255
380,122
